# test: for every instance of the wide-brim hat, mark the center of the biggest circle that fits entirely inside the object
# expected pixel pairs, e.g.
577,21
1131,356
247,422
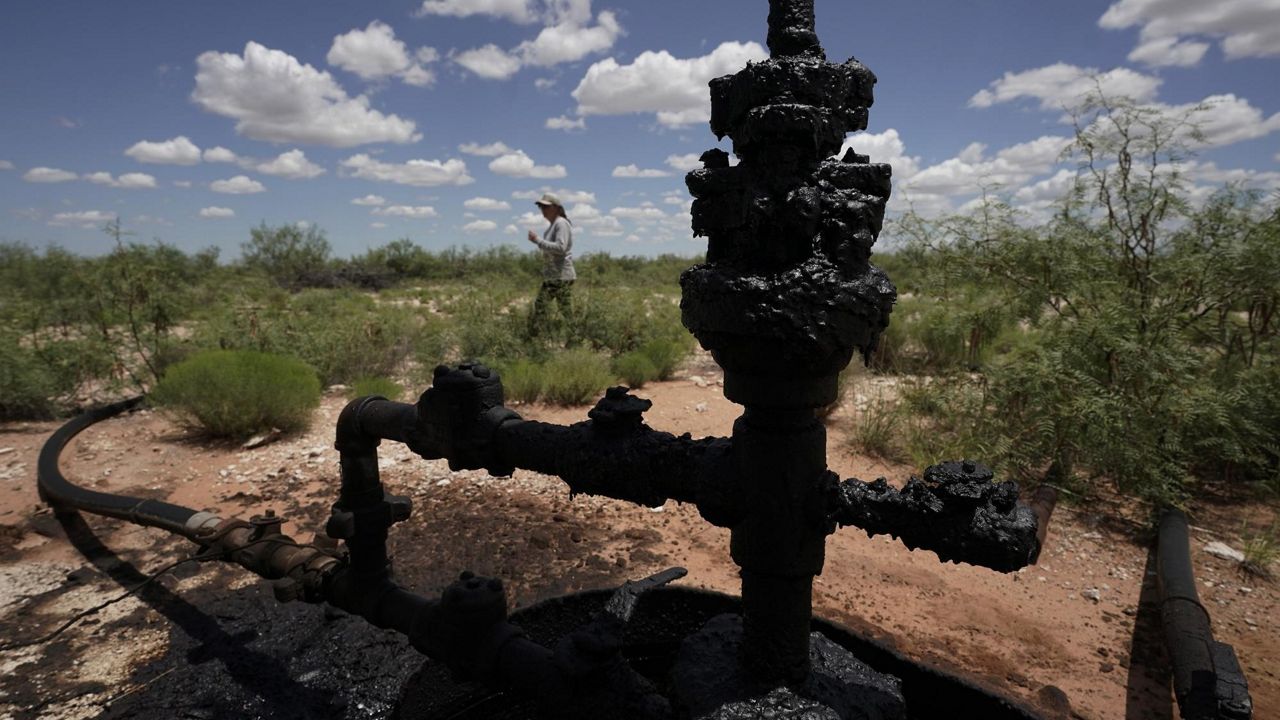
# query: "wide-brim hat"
548,199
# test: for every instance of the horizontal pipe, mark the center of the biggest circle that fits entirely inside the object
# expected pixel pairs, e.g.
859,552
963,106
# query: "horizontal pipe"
62,494
642,466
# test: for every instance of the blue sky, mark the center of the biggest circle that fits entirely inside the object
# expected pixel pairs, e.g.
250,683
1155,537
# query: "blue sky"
440,120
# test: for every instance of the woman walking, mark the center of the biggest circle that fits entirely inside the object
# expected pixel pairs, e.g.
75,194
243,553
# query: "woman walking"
558,275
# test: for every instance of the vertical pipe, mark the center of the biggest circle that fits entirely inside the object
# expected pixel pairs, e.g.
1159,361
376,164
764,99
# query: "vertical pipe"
780,542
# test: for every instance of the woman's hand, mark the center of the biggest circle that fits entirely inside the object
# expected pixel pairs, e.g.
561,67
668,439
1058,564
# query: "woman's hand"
532,237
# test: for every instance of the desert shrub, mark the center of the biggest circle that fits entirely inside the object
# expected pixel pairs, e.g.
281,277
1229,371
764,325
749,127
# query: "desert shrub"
380,386
236,393
522,380
492,337
575,377
939,419
342,334
27,385
667,353
635,368
287,254
875,429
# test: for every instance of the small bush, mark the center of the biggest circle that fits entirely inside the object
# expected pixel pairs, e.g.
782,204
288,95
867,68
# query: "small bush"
236,393
27,386
635,369
522,380
875,430
665,354
575,377
383,387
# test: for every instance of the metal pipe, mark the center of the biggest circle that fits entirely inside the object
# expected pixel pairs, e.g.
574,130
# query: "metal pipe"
1207,679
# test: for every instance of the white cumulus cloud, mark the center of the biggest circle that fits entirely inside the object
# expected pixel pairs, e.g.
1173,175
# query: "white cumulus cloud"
884,147
176,151
48,175
684,163
489,62
518,164
569,41
238,185
972,170
480,226
419,173
375,53
568,34
634,171
491,150
128,180
1245,28
87,219
216,213
519,11
568,197
1060,86
566,123
273,97
675,89
485,204
418,212
220,155
644,212
370,200
292,164
6,165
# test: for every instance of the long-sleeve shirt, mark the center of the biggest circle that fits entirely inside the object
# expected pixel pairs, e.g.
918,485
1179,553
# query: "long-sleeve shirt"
557,251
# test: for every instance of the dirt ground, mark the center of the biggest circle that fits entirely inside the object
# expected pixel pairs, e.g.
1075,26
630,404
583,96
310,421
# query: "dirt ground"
1059,635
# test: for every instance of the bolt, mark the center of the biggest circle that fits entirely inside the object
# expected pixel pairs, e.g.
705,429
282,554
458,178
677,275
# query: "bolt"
968,467
481,371
466,575
441,371
271,513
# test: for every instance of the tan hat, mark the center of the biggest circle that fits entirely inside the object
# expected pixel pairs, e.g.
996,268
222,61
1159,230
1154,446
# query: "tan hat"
548,199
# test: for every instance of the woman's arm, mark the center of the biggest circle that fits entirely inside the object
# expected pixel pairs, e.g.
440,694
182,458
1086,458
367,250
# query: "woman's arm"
557,240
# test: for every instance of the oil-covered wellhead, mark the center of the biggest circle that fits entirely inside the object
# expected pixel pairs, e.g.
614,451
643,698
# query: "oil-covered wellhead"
788,288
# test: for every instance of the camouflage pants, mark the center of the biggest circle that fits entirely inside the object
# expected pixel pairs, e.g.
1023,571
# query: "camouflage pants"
559,291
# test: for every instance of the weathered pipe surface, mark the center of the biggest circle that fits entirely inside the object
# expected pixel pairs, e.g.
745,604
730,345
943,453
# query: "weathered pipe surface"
956,511
1207,679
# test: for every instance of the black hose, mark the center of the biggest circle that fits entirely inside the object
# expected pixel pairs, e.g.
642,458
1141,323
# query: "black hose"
1207,679
59,492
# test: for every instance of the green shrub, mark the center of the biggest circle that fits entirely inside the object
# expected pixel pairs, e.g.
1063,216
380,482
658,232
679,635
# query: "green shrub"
875,429
666,354
27,385
383,387
345,336
236,393
522,380
635,368
575,377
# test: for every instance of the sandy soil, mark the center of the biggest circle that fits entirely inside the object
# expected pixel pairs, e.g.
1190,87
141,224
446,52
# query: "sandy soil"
1037,634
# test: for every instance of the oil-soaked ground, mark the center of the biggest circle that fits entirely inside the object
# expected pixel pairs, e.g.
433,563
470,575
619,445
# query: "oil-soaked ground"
233,651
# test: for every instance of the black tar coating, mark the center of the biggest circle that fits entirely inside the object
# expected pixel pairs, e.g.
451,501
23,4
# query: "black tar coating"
956,511
707,675
787,287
